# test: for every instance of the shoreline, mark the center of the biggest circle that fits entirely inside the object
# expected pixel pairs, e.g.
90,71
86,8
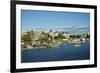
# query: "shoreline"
75,44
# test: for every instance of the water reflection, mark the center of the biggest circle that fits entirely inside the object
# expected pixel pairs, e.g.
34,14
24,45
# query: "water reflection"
63,52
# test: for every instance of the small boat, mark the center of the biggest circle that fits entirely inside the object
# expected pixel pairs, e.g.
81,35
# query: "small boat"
77,45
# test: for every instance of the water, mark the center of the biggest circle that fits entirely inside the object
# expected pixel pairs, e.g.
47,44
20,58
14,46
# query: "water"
66,52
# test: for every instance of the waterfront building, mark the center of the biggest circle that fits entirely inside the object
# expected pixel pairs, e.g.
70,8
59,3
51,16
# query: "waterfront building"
52,34
66,35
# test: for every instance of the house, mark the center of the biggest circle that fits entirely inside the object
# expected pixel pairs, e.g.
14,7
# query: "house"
66,35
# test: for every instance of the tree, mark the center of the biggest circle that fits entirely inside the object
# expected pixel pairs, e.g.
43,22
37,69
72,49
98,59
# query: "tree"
27,39
50,30
60,36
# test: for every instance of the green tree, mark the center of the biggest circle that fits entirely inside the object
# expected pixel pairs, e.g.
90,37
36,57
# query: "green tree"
27,39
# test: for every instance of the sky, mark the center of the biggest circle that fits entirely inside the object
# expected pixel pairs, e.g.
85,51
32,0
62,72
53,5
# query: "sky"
73,22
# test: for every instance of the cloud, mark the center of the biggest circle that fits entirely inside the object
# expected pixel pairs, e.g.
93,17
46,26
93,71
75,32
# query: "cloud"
71,29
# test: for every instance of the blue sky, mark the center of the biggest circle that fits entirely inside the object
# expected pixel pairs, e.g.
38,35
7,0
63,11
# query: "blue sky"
73,22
